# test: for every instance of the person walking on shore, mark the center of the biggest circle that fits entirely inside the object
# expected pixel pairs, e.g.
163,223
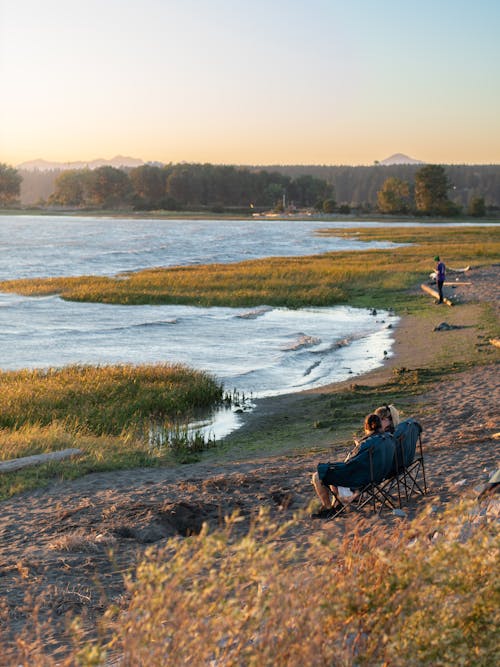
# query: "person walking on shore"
440,276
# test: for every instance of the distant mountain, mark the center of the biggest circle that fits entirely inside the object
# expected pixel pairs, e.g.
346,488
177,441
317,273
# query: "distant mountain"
399,158
117,161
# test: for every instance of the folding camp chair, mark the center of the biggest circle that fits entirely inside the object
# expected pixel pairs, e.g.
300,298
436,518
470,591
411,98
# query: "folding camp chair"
409,464
366,472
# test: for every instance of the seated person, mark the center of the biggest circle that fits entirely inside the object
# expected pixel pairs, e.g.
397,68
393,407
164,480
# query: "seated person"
389,417
325,479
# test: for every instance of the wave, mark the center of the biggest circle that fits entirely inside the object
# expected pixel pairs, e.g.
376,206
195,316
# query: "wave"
254,314
126,252
104,331
144,325
310,368
303,341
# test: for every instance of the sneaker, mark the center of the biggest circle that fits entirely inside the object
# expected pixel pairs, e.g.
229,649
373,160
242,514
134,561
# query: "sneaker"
323,513
327,512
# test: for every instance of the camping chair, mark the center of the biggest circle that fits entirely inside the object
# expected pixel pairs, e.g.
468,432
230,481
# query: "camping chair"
409,464
366,472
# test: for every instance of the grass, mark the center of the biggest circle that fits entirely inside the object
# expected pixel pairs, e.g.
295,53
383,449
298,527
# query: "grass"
107,412
386,598
104,411
360,278
420,593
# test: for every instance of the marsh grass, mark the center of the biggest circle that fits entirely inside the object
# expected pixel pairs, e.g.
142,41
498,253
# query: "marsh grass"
104,411
103,400
378,278
178,439
418,593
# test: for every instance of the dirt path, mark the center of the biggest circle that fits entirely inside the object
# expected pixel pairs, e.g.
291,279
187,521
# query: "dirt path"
55,542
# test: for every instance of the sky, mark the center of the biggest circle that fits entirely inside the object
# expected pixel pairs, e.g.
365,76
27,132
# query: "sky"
250,82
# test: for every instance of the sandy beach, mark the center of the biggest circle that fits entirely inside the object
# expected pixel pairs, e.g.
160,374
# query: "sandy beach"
55,542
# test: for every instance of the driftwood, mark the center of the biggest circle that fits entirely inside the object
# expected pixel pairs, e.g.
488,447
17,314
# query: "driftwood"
495,342
435,294
37,459
464,270
456,283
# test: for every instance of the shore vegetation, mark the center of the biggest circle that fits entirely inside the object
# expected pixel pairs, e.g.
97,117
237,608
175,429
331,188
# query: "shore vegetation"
358,278
425,594
113,414
266,588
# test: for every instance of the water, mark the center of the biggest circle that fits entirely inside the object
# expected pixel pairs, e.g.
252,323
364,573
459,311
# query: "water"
260,352
263,351
41,246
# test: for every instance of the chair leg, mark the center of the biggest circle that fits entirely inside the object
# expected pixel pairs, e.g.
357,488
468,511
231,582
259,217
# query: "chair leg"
423,466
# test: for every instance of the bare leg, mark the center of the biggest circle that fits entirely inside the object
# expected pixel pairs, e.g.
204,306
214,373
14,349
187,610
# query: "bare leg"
323,492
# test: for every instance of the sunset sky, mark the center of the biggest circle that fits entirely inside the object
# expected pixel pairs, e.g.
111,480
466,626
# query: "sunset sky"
250,81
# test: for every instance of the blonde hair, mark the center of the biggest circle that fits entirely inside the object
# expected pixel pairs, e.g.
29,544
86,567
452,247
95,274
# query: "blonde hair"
390,412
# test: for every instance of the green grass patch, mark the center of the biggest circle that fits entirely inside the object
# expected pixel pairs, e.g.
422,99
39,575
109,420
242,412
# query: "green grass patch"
379,278
107,412
103,400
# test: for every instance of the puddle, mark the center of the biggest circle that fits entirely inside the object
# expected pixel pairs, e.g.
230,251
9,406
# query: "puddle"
211,428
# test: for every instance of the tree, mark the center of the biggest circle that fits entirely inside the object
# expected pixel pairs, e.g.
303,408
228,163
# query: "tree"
10,184
431,191
394,197
329,205
108,187
477,207
306,190
70,188
148,182
184,184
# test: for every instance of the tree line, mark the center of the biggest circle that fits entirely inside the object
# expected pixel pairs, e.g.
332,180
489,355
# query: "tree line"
398,189
185,187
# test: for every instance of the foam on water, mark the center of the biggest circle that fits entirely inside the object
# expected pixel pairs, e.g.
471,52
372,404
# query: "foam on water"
279,351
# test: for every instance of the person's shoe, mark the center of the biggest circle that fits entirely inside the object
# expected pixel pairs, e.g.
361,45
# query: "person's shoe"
328,512
323,513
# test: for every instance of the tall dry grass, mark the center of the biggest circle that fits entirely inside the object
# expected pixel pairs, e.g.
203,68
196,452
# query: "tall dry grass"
419,593
103,399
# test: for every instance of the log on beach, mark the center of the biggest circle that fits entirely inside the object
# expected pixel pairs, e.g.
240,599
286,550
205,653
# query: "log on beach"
495,342
37,459
435,294
464,270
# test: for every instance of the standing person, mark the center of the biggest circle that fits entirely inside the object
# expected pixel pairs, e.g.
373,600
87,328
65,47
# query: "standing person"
440,276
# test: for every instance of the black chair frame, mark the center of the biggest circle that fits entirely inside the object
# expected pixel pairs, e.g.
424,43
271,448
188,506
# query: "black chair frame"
381,494
374,493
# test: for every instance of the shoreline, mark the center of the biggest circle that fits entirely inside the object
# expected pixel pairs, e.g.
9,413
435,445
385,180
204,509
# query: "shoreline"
210,216
417,345
55,542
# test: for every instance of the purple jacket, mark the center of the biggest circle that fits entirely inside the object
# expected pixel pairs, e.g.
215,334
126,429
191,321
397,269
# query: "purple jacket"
441,272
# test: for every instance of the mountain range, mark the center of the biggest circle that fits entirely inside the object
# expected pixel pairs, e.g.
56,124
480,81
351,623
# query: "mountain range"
124,161
117,161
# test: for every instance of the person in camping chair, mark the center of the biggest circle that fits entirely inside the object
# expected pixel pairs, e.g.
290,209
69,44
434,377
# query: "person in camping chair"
324,480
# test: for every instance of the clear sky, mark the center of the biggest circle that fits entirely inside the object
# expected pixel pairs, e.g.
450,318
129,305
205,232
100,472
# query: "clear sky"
250,81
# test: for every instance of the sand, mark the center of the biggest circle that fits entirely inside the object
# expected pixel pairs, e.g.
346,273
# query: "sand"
55,542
